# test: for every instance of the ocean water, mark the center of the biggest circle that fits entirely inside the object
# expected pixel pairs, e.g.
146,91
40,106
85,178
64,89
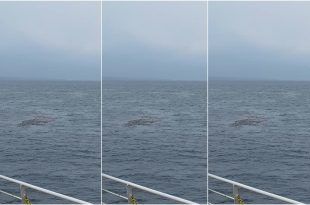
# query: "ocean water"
154,134
50,137
259,135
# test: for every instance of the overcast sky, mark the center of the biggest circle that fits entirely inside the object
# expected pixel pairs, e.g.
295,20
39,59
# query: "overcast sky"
50,40
259,40
154,40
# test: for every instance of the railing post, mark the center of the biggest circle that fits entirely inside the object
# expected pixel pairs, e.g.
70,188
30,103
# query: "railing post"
130,196
237,197
24,196
129,193
236,194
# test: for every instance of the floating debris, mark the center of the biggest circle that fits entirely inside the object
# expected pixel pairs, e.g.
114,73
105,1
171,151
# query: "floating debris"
38,120
249,121
141,121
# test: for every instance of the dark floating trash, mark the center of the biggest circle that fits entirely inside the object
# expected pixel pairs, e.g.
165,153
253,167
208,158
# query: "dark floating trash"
39,120
141,121
249,121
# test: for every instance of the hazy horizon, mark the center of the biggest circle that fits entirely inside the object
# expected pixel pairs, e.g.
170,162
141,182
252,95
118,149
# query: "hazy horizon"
111,78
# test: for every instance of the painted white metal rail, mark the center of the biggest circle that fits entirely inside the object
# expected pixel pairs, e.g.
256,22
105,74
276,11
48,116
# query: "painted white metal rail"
25,198
131,198
237,186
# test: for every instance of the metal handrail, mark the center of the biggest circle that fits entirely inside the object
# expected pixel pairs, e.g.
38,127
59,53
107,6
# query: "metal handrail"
130,186
24,185
237,185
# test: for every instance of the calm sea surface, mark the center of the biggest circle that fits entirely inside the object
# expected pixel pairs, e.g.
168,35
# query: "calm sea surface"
154,134
259,134
58,145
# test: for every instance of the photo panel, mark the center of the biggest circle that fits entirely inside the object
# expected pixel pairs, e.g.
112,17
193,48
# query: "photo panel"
259,102
154,102
50,102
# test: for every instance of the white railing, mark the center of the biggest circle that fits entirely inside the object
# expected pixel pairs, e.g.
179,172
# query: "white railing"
236,186
26,199
131,186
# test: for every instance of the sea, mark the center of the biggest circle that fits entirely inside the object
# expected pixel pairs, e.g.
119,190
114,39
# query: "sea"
155,135
50,137
259,135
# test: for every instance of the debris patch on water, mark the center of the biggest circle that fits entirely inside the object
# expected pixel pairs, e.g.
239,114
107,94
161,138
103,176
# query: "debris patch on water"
248,121
141,121
38,120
